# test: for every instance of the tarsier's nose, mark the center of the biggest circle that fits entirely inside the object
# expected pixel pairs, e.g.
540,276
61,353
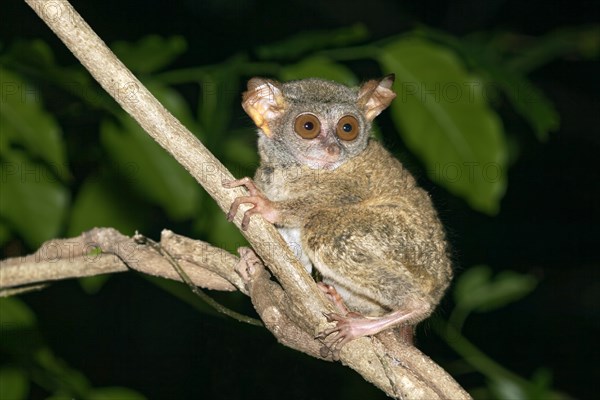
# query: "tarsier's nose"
333,149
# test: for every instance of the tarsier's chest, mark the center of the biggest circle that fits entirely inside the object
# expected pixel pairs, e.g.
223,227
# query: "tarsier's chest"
278,188
293,237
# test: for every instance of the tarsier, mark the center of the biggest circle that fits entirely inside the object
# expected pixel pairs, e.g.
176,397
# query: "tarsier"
356,212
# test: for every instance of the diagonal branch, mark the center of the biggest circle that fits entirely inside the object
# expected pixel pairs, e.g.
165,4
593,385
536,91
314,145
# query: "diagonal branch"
410,374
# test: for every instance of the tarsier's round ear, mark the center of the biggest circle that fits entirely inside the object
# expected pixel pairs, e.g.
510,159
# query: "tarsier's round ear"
376,95
263,102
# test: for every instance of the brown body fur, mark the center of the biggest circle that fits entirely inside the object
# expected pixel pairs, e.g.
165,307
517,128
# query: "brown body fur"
368,229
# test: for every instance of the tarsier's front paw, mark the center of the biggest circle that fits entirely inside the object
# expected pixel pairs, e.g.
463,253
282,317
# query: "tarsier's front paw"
261,204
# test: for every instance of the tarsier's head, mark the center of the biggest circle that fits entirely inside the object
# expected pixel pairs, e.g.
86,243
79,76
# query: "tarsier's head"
314,122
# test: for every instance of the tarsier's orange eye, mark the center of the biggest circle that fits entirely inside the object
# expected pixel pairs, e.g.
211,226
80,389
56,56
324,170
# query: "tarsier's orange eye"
307,126
347,128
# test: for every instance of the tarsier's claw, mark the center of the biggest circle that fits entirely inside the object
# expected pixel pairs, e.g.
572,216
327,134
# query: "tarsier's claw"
331,317
324,351
233,209
245,221
231,214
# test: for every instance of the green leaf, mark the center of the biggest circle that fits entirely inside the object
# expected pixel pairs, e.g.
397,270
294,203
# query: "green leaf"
443,117
476,290
5,234
32,200
15,314
507,389
319,67
241,152
32,52
25,122
213,226
159,178
19,336
507,288
311,41
578,40
501,73
219,94
13,384
529,101
35,57
93,284
98,204
114,393
4,142
60,396
541,386
64,378
471,281
150,53
173,101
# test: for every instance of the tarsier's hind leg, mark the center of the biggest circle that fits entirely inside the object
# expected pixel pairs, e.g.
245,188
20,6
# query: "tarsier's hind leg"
370,266
351,326
369,258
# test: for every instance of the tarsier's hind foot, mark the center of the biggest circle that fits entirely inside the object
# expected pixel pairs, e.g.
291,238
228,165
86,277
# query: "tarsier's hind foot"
351,325
347,327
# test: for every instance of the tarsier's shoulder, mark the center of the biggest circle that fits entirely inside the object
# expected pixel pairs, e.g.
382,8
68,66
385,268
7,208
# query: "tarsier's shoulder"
377,162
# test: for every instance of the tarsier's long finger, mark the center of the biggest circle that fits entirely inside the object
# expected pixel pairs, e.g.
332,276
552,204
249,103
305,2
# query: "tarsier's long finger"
335,346
231,184
334,317
335,331
247,182
323,334
331,317
251,186
232,211
246,219
236,205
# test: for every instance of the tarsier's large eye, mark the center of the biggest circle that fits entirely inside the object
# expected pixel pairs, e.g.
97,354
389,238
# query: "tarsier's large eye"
347,128
307,126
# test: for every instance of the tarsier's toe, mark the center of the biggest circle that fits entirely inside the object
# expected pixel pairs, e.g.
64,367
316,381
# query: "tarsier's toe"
332,294
331,317
325,288
336,337
249,264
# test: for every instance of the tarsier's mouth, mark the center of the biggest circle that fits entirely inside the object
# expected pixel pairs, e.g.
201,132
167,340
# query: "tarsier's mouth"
320,162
